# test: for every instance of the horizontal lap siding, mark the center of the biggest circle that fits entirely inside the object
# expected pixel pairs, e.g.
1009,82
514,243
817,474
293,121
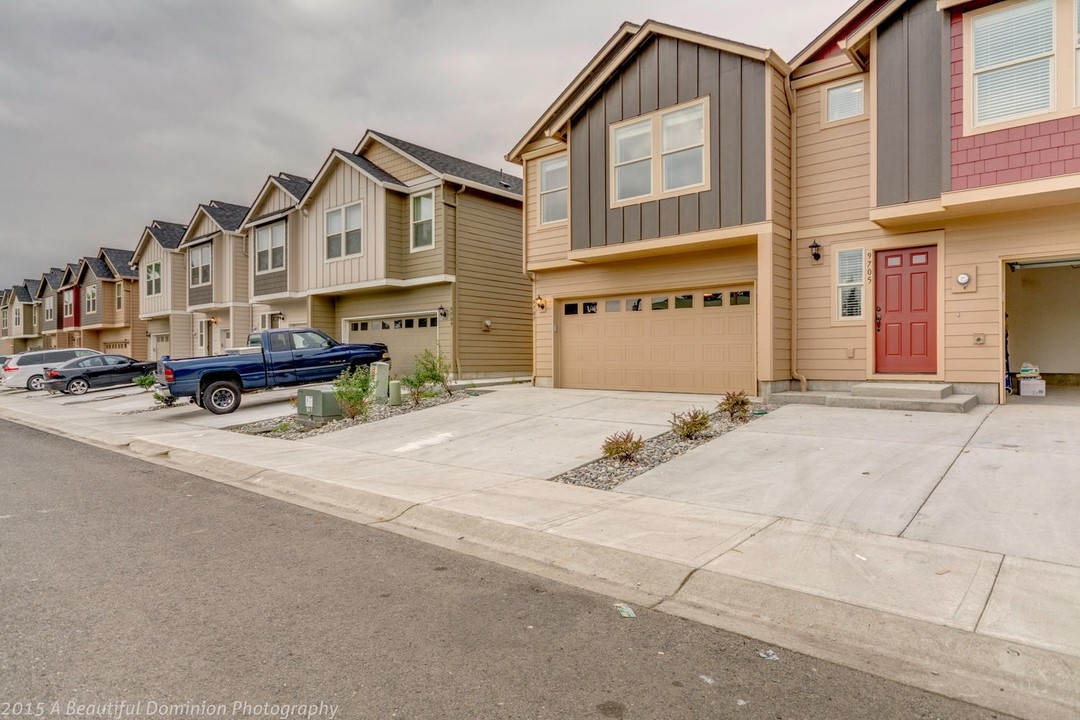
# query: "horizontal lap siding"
241,267
390,303
492,286
781,217
549,242
425,263
393,162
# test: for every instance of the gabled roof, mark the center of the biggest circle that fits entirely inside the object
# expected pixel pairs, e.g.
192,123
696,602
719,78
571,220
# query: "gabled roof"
857,20
119,262
71,274
31,289
96,265
622,45
361,164
166,234
293,185
228,217
51,278
22,294
5,295
448,166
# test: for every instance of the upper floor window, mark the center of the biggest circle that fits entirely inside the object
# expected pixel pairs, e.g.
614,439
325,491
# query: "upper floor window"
344,231
844,101
1012,51
50,308
270,247
69,303
34,316
662,154
422,221
849,284
199,262
153,279
16,316
119,296
91,299
553,184
4,320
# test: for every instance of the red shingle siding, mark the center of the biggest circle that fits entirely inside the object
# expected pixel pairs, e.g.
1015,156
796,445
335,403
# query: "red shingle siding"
1039,150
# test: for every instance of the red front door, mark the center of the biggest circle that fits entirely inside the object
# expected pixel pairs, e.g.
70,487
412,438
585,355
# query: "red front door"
906,310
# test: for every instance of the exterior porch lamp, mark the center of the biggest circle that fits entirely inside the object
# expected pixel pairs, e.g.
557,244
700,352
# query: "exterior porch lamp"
815,251
541,303
442,311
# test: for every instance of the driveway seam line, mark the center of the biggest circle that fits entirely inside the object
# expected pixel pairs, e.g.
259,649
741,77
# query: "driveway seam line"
963,448
990,594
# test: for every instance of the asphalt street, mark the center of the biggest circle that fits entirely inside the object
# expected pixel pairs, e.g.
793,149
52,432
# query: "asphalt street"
125,582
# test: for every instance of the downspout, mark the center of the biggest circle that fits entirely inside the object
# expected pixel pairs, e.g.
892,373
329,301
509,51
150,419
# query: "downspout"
794,236
454,288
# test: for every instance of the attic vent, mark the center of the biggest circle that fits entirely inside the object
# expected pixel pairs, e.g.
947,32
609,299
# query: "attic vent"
505,184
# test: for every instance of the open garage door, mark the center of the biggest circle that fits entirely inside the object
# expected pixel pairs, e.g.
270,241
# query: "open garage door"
699,340
406,336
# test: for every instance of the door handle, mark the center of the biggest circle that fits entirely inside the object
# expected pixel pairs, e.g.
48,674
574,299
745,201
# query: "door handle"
877,320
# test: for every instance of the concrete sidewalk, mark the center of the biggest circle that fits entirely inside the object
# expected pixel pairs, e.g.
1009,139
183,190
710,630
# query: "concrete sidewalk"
839,533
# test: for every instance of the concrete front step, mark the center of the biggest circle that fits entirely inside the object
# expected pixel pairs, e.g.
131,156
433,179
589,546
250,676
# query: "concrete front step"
951,403
912,390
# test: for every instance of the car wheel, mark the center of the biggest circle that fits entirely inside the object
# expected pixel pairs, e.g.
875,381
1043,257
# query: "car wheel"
78,386
37,382
222,397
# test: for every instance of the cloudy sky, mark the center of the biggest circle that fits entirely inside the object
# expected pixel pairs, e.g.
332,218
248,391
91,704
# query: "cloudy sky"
114,113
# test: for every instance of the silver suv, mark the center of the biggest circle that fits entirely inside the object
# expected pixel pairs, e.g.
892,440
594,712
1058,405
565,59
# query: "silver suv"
28,369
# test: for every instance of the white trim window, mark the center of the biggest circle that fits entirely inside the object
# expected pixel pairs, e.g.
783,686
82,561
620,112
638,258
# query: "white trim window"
270,248
34,317
69,303
119,296
16,320
50,308
422,221
199,259
677,137
554,181
4,321
1013,61
345,231
845,100
91,300
153,279
849,284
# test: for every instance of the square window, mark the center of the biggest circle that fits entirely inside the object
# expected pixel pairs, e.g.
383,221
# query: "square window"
740,297
588,308
363,326
684,301
422,322
635,305
613,306
384,325
845,101
409,322
660,303
714,299
398,325
570,309
354,327
434,322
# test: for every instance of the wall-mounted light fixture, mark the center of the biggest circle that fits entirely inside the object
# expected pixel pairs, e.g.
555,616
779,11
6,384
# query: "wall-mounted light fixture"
486,325
541,303
442,311
278,316
147,333
213,320
815,251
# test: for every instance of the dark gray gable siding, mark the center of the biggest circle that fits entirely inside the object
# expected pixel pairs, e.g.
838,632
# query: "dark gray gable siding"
90,318
912,104
202,295
663,73
271,283
57,309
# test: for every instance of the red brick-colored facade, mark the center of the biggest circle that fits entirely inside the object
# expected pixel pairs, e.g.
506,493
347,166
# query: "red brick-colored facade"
1029,152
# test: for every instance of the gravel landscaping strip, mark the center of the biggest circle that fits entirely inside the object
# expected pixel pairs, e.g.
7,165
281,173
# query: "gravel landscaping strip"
606,474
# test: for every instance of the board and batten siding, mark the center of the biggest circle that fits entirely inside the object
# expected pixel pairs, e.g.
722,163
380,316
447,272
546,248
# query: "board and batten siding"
49,325
913,125
393,162
344,185
663,73
714,268
164,302
491,286
290,278
90,318
833,165
543,243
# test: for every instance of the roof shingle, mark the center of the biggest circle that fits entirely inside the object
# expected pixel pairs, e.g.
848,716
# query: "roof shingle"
450,165
293,184
369,167
167,234
120,262
227,215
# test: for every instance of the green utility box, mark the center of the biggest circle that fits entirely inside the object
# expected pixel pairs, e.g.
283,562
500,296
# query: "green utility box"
317,405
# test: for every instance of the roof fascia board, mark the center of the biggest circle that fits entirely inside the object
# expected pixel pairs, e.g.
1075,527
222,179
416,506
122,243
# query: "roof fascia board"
455,180
862,33
947,4
821,40
372,135
264,219
336,156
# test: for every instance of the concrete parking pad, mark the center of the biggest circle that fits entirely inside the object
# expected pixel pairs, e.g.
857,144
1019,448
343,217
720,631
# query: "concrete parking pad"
1035,603
687,534
945,585
1031,428
1008,501
867,485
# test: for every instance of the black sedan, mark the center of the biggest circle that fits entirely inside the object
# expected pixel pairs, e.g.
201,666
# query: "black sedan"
96,371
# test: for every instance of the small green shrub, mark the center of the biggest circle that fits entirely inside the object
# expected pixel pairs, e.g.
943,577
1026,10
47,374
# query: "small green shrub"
434,369
355,390
146,382
623,446
735,404
690,424
416,385
164,400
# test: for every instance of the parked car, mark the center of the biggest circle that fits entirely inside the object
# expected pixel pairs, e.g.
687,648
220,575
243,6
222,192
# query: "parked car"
28,369
94,372
273,358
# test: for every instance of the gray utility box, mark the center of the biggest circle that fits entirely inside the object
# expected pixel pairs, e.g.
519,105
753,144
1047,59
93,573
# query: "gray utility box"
317,405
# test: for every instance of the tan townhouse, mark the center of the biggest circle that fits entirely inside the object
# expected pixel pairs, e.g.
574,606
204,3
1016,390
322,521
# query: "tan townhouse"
162,270
48,294
108,312
20,320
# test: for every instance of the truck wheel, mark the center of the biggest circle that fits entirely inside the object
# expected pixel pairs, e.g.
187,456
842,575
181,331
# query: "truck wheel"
222,397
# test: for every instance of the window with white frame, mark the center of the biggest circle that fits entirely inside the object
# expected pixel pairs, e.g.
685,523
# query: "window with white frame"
4,320
422,221
153,279
69,303
1012,61
91,299
660,155
199,262
845,100
553,194
345,231
849,284
119,296
270,248
34,316
50,308
16,319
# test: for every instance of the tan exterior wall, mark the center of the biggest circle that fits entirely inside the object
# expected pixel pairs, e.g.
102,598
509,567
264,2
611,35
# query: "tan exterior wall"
545,243
397,233
425,263
321,315
394,162
685,270
203,226
274,201
240,261
428,298
165,302
491,286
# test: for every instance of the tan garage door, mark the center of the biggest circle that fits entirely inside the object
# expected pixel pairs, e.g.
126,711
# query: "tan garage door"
406,336
698,340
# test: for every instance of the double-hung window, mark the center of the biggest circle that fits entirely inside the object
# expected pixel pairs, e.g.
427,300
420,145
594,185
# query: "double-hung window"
270,248
34,316
16,318
1012,61
69,303
422,221
849,284
199,262
661,155
50,308
119,295
153,279
91,299
553,184
345,231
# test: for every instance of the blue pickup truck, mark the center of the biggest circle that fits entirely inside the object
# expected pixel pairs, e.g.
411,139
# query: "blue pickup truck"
273,358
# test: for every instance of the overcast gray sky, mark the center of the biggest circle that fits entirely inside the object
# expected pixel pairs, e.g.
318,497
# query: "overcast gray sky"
114,113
